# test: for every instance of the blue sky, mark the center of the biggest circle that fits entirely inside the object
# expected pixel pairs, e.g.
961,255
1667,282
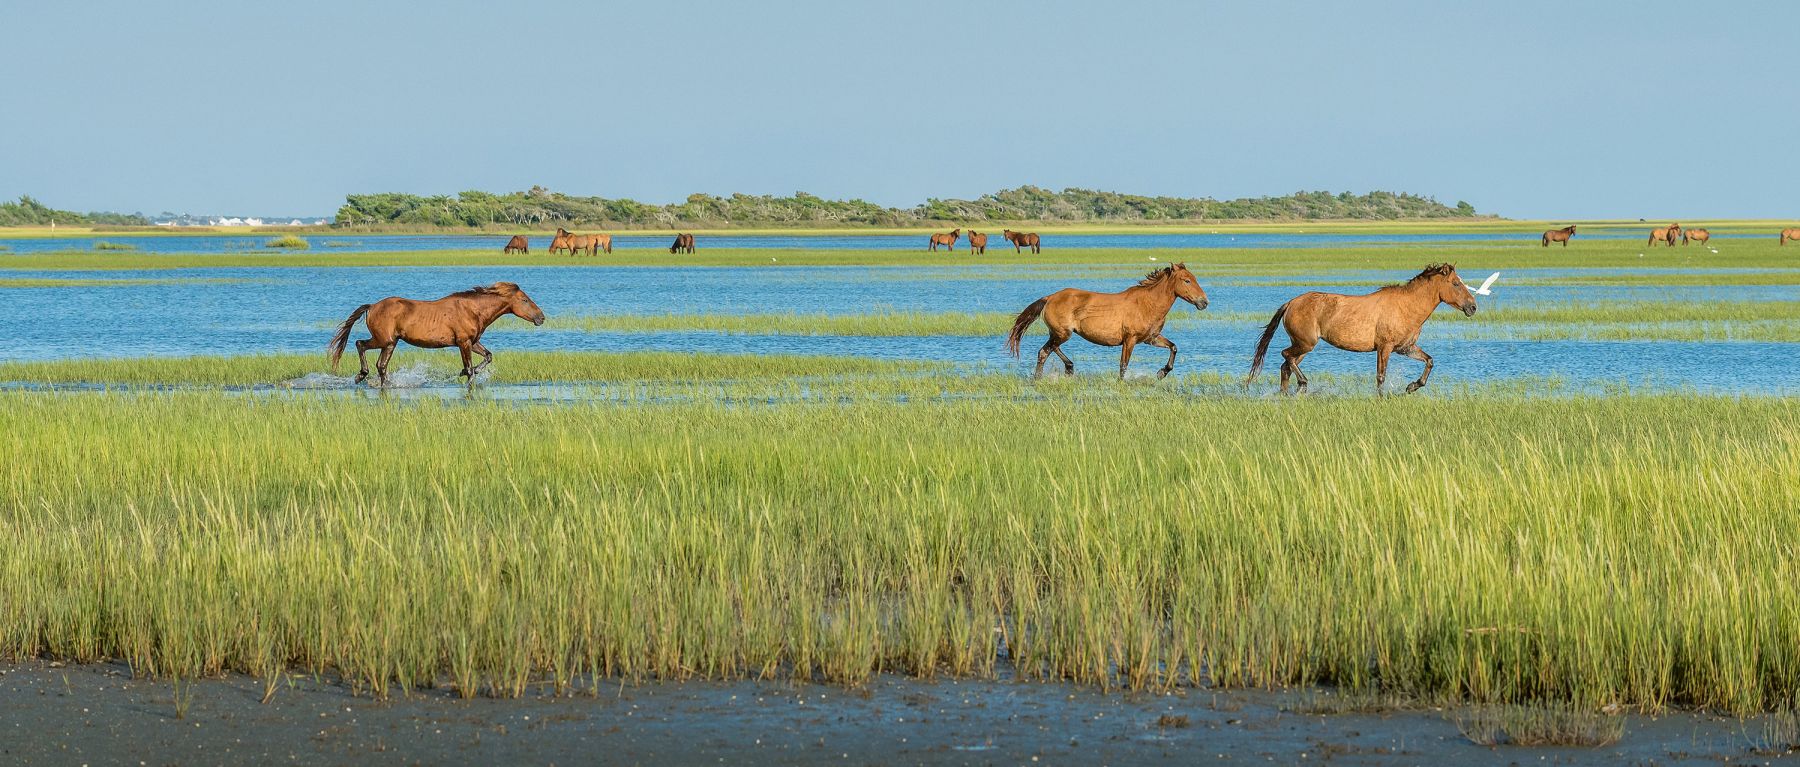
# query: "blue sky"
1526,109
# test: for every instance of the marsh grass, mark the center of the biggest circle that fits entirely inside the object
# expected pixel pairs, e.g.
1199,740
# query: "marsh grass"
104,245
288,242
1493,549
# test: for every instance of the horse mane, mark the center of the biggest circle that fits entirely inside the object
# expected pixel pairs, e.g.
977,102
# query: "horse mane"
1158,275
1434,270
496,289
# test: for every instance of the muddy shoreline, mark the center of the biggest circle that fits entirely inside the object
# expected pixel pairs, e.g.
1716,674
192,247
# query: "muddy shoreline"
98,714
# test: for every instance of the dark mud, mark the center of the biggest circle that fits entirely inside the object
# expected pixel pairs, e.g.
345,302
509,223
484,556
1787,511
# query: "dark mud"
100,715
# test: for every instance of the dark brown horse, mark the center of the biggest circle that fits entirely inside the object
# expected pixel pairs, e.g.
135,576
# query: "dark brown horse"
1021,240
518,244
1665,234
455,320
684,243
946,240
1789,234
1111,319
1385,321
977,242
1559,235
1695,235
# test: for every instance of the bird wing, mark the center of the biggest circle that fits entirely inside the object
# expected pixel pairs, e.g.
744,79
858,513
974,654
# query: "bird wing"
1487,283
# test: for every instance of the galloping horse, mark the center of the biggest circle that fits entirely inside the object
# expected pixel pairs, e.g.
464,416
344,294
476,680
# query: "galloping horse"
518,244
562,242
1559,235
977,242
684,243
1111,319
1665,234
946,240
455,320
1021,240
1385,321
1696,235
1789,234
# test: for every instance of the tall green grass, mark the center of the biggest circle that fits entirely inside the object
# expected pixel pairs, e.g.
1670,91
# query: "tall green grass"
1497,549
288,242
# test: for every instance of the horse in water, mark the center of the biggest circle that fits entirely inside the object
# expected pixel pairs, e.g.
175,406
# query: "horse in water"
1664,234
1385,321
455,320
1789,234
1695,235
518,244
1559,235
977,242
946,240
1021,240
1111,319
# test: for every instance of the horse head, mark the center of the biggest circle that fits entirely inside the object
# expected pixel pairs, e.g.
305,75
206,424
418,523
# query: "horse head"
1451,289
1186,287
518,304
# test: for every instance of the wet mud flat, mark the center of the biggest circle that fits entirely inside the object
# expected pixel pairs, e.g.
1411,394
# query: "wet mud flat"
98,714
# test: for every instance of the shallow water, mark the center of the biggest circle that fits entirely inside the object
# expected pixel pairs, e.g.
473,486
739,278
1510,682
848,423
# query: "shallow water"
294,309
403,243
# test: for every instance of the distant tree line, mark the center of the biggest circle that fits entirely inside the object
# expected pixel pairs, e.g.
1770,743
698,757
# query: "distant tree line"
30,212
540,207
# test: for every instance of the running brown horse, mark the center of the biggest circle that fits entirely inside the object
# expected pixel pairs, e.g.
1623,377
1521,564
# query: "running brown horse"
1695,235
1385,321
946,240
1559,235
562,242
518,244
1789,234
455,320
1111,319
1021,240
684,243
977,242
1665,234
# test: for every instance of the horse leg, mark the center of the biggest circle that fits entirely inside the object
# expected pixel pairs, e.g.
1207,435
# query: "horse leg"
1054,346
362,361
465,348
1420,355
487,357
1164,342
1381,360
381,363
1125,355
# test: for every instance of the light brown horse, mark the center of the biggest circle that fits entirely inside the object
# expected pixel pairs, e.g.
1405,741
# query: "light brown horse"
1665,234
977,242
684,243
591,244
1695,235
562,242
1789,234
1021,240
1559,235
455,320
1385,321
946,240
1111,319
518,244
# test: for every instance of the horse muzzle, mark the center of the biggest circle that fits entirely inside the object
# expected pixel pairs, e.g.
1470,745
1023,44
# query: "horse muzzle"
540,320
1200,304
1469,311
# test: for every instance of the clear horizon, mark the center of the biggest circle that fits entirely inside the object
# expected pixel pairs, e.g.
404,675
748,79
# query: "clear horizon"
1534,110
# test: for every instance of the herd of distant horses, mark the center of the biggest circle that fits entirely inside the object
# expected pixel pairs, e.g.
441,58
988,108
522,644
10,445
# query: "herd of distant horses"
1666,235
594,244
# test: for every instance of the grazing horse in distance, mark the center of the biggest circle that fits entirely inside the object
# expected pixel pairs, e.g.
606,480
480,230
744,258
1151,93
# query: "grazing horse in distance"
455,320
1385,321
684,243
1789,234
518,244
977,242
1695,235
1559,235
1021,240
1665,234
1111,319
591,243
946,240
563,241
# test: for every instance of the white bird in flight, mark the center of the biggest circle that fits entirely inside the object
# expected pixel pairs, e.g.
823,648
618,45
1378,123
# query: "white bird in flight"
1486,284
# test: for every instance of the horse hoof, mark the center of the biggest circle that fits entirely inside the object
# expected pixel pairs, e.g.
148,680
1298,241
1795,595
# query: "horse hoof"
1414,386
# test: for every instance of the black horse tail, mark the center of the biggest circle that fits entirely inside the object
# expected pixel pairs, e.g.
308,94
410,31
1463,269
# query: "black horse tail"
1024,321
1262,346
343,336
